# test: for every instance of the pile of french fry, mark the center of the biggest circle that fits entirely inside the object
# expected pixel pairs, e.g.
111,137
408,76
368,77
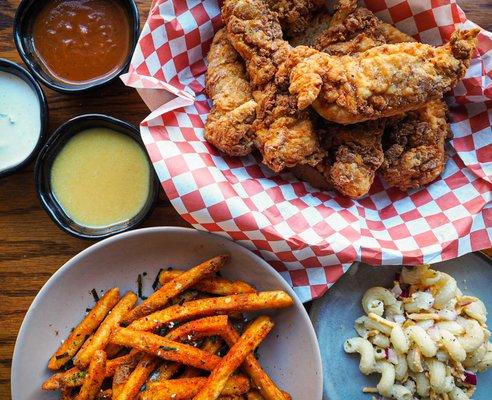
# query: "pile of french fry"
180,343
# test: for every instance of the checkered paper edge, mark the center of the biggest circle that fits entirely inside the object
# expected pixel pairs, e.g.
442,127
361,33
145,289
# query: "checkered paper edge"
311,237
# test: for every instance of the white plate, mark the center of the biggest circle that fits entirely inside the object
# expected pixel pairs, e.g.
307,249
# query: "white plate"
290,353
333,317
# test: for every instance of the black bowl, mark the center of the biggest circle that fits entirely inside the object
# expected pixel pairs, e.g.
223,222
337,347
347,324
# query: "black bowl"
24,18
13,68
43,176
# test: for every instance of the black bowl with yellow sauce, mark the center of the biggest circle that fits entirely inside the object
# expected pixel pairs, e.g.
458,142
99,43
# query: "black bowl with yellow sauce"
88,190
78,45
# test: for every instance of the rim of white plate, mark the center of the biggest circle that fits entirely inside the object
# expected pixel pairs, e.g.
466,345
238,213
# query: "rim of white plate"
71,263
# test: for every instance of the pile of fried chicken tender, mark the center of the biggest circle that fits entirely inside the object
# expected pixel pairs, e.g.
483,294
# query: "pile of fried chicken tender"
335,98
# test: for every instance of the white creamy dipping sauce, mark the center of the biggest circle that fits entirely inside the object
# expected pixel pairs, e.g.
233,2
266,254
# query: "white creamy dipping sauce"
20,120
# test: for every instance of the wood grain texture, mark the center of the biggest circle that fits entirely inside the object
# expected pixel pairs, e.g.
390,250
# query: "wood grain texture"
32,248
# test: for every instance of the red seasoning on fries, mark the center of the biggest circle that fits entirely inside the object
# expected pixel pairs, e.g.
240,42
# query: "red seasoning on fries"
204,307
95,376
88,325
176,286
248,342
213,285
186,388
180,344
101,338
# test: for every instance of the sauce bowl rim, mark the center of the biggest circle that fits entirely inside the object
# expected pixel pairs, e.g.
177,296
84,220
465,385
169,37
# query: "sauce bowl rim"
45,195
22,73
23,14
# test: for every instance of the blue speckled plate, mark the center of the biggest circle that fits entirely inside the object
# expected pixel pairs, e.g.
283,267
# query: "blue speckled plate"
333,317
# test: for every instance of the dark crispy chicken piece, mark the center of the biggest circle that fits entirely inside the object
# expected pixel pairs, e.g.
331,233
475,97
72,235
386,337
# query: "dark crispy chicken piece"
284,135
356,154
383,81
228,126
414,147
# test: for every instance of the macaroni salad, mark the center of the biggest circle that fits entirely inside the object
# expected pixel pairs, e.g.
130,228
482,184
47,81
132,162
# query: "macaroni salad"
425,338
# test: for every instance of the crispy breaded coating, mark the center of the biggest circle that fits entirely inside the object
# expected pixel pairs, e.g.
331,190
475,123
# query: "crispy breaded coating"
256,34
383,81
359,32
284,135
364,145
343,9
414,147
308,37
317,176
357,154
393,35
295,16
354,152
228,126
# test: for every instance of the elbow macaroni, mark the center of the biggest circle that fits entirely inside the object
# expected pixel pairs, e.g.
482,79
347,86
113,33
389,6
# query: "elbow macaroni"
375,299
421,344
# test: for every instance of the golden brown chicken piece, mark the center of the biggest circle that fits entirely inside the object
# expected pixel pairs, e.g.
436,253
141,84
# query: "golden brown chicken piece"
383,81
295,16
414,153
362,142
228,126
354,152
284,135
353,30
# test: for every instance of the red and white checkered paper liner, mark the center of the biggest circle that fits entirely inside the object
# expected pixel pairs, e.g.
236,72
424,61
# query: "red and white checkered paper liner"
309,236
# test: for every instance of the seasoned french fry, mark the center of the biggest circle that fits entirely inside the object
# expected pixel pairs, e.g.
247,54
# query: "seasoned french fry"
122,374
75,377
249,341
100,339
66,393
138,377
211,345
82,331
252,367
213,285
95,377
186,388
212,306
112,350
200,327
174,287
187,295
165,348
254,395
166,371
105,395
190,372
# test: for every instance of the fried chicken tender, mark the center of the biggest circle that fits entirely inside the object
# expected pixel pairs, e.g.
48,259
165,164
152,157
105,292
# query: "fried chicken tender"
383,81
308,37
403,138
295,16
354,152
256,34
284,135
414,153
343,9
228,126
357,154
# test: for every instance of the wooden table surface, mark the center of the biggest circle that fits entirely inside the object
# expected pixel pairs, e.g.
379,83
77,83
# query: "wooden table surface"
32,248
